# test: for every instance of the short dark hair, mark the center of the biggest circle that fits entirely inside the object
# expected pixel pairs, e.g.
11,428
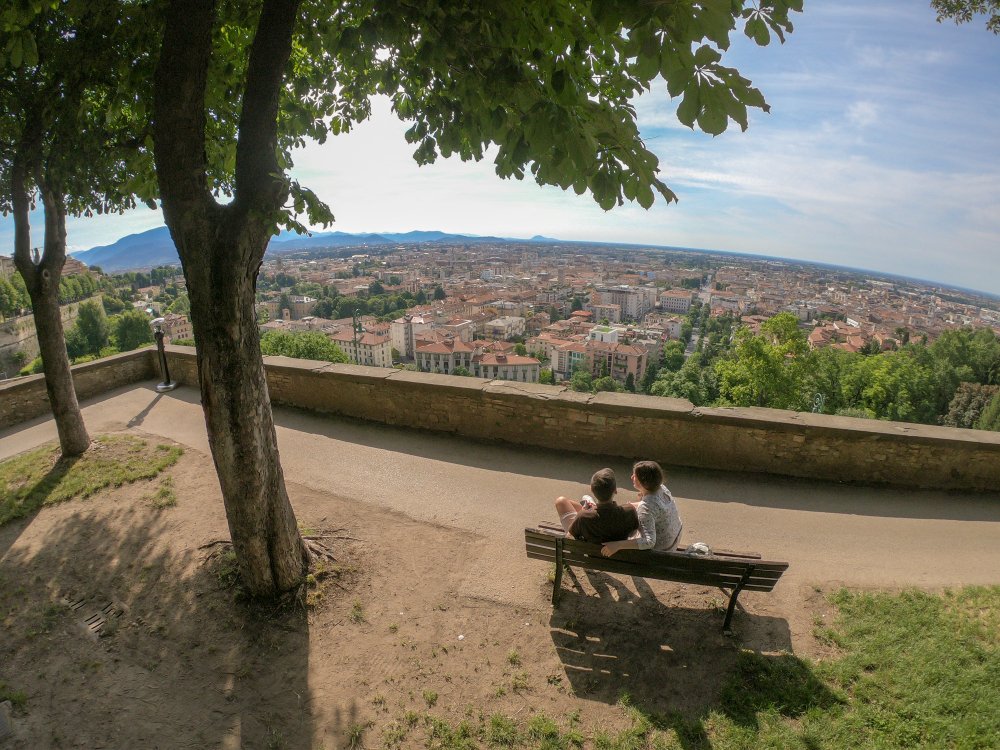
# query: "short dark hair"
603,484
648,474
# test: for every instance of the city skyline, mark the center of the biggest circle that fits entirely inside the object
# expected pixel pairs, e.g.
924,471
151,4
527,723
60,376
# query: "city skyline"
879,154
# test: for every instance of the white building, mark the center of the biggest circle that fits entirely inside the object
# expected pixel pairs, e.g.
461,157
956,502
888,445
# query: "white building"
364,348
403,332
676,300
635,302
505,328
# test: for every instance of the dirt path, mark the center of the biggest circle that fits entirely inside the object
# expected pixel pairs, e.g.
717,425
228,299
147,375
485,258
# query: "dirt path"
830,532
435,610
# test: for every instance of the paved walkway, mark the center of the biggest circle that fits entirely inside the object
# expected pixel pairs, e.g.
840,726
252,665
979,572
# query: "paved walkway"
831,533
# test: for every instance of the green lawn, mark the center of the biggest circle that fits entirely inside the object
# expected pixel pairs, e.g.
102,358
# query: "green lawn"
916,670
40,477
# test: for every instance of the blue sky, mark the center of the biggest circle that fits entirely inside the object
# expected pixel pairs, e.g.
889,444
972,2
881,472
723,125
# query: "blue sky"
881,151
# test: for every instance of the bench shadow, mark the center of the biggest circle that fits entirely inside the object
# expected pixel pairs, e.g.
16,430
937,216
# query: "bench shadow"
622,644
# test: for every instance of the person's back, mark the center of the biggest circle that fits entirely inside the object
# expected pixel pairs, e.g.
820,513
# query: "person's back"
605,521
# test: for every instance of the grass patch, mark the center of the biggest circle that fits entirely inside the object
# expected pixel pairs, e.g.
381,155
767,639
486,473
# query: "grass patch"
18,698
227,569
41,477
164,497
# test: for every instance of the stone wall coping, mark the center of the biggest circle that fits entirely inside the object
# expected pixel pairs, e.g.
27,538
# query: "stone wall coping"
652,406
84,368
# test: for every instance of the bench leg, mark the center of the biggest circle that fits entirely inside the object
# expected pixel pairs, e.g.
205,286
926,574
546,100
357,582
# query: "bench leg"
559,571
732,601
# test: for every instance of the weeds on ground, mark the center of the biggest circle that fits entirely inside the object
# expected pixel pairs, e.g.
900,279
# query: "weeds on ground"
227,569
357,614
356,734
164,497
41,477
18,698
916,670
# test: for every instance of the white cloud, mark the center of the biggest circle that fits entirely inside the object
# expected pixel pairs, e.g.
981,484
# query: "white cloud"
862,114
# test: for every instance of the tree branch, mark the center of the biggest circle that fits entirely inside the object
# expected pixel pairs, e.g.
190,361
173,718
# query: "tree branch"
23,163
260,186
179,107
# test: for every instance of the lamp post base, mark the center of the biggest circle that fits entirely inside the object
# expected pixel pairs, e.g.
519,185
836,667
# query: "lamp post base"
164,387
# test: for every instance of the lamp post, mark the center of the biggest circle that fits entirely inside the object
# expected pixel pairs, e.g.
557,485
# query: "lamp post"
166,385
356,325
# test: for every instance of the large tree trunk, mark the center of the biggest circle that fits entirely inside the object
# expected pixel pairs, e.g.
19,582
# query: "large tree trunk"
221,248
42,281
237,409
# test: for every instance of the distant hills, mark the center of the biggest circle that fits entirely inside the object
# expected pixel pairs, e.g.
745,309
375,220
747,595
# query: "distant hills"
155,248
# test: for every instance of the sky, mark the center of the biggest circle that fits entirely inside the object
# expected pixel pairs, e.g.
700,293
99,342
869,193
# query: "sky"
881,152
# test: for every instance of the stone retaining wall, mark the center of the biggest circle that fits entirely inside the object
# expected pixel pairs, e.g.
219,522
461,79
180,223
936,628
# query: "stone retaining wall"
671,431
18,335
25,398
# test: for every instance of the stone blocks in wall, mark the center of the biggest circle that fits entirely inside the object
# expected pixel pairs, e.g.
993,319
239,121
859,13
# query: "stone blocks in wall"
25,398
669,430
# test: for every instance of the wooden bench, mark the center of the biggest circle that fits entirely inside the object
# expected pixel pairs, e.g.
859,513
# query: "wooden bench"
732,571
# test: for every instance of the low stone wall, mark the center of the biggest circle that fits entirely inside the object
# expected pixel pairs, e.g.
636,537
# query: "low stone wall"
25,398
668,430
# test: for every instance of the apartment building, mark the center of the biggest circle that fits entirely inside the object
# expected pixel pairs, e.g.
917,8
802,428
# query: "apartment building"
669,326
600,358
7,267
403,333
676,300
175,327
364,347
459,328
505,328
444,356
497,366
634,301
610,313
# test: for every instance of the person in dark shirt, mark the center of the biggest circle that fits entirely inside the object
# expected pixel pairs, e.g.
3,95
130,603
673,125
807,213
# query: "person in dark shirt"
600,521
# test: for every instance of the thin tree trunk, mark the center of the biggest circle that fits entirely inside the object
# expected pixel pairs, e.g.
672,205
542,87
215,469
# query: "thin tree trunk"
42,282
221,248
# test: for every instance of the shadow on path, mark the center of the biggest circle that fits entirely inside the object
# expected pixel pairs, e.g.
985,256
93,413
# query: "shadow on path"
39,494
139,418
186,663
758,490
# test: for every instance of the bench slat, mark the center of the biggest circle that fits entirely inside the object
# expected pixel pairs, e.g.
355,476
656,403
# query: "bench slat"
736,571
755,583
672,563
556,530
655,560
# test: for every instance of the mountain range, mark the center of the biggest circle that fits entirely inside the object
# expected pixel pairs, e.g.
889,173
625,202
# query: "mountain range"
155,248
